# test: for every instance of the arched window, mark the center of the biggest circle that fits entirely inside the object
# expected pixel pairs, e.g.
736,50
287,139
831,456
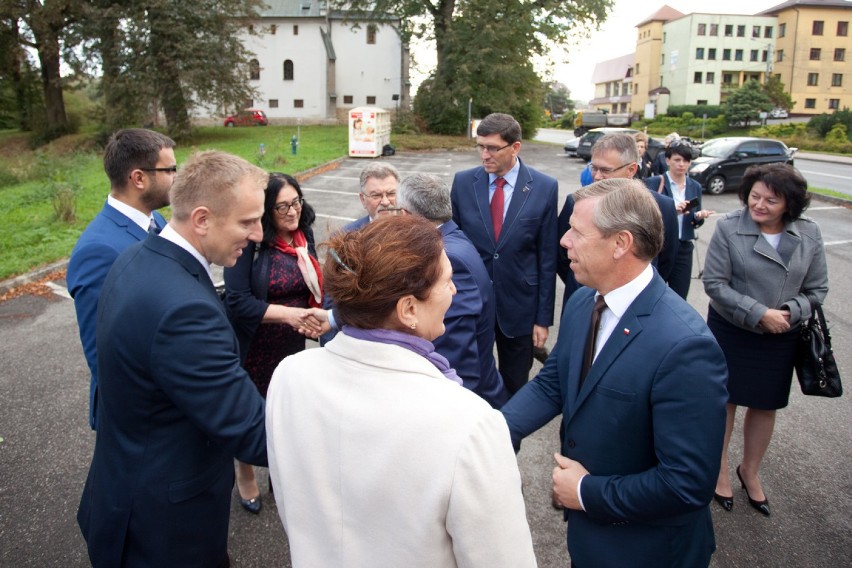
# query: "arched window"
288,70
254,70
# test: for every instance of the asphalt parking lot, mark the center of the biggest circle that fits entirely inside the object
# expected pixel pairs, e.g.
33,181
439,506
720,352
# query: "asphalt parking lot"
46,444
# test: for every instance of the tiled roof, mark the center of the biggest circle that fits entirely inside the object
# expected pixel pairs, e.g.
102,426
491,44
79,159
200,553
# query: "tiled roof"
664,14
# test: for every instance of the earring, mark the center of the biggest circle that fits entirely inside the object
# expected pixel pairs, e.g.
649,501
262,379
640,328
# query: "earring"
414,325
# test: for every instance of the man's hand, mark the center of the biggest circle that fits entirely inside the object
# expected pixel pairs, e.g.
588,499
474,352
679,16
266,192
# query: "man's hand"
539,335
566,475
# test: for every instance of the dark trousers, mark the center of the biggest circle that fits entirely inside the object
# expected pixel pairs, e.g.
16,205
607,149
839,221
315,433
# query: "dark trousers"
682,270
514,359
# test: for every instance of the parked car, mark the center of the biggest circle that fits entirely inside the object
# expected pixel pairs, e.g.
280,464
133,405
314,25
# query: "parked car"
778,112
571,147
587,140
247,117
724,160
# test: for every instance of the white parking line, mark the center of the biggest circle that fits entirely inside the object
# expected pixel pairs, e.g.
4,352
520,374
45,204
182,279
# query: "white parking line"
60,291
832,243
353,193
823,174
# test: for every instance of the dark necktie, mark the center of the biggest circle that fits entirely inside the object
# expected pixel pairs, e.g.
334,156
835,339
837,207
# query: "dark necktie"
594,324
152,226
497,207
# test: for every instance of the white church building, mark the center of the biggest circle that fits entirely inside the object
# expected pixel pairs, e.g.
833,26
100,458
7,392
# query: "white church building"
313,65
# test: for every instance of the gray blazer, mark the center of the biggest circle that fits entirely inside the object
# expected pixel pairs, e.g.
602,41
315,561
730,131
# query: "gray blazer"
744,275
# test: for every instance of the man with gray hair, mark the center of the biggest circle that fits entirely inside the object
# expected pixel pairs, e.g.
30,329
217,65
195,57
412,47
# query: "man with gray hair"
615,155
640,383
468,339
379,181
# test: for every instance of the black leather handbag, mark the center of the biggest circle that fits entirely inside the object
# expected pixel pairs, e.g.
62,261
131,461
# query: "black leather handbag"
815,364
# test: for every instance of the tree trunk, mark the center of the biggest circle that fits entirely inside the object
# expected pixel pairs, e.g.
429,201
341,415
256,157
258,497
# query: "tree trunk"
51,80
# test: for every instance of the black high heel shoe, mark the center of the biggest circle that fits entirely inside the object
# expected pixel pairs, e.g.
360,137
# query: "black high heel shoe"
727,503
761,506
253,506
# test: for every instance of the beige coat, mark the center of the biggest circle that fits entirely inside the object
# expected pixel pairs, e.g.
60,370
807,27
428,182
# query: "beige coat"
378,460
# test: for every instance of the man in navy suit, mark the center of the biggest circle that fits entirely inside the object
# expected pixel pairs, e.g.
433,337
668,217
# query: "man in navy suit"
642,396
379,181
141,166
508,211
176,407
616,155
468,339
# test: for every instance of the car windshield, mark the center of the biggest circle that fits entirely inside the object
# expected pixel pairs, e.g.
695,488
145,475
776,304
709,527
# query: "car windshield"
719,148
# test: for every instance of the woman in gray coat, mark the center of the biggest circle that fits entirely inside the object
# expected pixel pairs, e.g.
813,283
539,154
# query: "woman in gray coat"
765,267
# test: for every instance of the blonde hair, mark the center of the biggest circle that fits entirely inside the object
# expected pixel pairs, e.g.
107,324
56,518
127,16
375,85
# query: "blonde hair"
211,179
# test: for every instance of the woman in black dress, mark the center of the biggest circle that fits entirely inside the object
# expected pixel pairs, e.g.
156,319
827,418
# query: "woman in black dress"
765,268
268,293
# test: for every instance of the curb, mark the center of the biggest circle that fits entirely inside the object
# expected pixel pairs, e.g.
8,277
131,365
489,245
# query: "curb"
42,271
828,158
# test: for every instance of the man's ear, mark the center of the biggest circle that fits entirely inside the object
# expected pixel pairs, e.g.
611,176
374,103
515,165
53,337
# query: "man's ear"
137,179
623,244
200,219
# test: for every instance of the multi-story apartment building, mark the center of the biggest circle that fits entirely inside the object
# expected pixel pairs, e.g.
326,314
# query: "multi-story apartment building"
613,81
700,58
813,53
704,56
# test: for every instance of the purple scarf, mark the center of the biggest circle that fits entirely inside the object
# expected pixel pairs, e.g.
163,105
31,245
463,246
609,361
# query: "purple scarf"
418,345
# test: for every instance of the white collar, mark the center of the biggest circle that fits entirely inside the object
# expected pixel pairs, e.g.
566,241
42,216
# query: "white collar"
619,300
131,213
173,236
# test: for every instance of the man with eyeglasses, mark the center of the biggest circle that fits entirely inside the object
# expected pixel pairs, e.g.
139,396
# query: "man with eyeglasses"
508,211
379,181
615,155
141,167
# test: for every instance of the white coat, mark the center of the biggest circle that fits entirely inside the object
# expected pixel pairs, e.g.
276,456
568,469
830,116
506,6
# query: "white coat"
378,460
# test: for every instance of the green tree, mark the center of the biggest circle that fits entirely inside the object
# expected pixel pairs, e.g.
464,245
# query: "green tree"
484,51
559,99
780,98
746,103
42,26
172,55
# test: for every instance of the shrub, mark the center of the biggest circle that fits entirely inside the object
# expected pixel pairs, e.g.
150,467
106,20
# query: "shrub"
823,123
712,111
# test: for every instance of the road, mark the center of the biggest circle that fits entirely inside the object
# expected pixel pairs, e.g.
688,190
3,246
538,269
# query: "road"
46,444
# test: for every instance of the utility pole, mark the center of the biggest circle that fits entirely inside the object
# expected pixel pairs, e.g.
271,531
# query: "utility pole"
769,58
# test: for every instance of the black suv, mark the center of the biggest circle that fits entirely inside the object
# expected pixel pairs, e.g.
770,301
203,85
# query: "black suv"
587,140
723,161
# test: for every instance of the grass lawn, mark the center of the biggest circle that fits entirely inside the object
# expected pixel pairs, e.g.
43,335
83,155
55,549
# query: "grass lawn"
31,234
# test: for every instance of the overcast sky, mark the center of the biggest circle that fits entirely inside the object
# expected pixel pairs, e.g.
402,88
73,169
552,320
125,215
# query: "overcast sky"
618,36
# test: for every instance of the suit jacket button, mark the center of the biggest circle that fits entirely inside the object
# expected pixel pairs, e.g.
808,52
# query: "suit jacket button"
496,255
571,443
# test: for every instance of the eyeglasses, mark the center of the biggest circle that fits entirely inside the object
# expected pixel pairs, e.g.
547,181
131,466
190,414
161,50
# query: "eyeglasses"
607,171
169,170
491,149
378,196
283,208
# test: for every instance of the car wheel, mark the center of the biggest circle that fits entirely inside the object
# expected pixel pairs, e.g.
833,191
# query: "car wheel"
716,185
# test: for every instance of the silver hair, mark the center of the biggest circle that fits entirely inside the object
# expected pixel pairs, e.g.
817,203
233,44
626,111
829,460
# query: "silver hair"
425,195
627,205
378,170
619,142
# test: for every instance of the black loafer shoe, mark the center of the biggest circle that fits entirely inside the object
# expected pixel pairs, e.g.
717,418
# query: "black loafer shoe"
252,505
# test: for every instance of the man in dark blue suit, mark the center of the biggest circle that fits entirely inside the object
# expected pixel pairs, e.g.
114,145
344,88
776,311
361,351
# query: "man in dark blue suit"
615,155
468,339
378,181
641,390
176,407
141,166
508,211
